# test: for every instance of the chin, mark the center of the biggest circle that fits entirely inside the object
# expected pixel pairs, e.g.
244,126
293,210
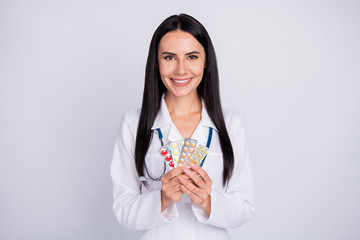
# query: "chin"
182,93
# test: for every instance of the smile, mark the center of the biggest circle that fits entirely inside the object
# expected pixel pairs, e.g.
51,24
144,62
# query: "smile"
178,82
181,81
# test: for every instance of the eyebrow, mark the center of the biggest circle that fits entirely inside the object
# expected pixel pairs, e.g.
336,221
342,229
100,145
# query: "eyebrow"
173,54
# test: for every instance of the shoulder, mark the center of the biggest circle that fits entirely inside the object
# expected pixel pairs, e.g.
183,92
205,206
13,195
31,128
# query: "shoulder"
132,115
130,120
235,127
232,118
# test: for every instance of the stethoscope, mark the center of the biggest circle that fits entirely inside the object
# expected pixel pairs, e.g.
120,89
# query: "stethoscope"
151,178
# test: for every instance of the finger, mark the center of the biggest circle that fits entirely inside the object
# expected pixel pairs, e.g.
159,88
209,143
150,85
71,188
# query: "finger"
174,189
193,197
195,177
171,183
202,173
174,181
201,193
171,174
168,198
171,192
186,177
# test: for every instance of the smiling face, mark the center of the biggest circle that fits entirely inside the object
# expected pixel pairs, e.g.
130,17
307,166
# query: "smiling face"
181,61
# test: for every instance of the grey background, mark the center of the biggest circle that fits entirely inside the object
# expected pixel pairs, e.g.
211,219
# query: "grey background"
70,69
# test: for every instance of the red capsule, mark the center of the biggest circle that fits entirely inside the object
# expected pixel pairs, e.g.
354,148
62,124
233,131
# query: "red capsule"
171,163
163,152
168,157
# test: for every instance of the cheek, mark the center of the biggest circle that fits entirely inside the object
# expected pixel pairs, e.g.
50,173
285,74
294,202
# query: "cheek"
198,69
165,69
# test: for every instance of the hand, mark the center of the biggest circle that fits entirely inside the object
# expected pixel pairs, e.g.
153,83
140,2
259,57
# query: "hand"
199,188
170,189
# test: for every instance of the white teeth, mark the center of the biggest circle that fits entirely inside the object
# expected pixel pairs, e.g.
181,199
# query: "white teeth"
181,81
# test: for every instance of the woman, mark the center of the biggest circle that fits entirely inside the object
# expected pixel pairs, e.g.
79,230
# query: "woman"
181,100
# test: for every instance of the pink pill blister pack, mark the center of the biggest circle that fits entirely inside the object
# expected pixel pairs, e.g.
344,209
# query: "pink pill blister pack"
171,152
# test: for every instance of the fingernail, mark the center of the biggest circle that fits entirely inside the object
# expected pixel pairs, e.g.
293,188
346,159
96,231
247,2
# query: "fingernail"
181,179
192,164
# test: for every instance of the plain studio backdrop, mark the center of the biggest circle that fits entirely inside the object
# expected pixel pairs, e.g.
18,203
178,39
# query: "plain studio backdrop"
69,70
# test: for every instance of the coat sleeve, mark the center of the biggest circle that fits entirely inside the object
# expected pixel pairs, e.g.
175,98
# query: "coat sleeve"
235,205
132,208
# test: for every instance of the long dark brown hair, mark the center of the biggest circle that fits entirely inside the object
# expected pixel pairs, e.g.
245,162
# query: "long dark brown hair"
208,90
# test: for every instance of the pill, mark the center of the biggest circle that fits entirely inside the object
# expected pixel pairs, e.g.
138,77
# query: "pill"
182,143
168,157
193,145
183,155
173,145
187,143
163,152
185,149
191,150
171,164
176,152
176,159
189,156
182,160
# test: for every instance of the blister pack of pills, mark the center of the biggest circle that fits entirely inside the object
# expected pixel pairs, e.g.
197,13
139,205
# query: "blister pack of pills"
175,151
165,151
181,152
171,153
187,151
199,154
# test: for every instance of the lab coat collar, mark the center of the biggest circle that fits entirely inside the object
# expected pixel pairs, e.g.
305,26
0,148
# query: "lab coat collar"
163,119
205,118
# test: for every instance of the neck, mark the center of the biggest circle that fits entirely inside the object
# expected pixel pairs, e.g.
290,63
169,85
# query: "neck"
183,105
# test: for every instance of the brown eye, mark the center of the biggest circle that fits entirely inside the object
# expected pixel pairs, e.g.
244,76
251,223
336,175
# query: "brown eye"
168,57
192,57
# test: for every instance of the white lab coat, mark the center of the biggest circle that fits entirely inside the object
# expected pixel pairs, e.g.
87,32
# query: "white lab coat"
139,208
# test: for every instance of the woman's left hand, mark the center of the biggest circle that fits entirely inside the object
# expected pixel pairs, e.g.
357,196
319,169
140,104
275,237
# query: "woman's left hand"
199,188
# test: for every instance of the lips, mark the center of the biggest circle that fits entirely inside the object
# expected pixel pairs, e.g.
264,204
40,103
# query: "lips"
181,82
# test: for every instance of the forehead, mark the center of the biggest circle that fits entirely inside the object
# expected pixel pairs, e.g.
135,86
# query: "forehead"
179,42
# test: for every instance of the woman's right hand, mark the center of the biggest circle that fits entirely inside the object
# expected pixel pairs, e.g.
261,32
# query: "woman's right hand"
171,188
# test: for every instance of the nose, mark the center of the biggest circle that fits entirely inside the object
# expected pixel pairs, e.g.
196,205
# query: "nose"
180,67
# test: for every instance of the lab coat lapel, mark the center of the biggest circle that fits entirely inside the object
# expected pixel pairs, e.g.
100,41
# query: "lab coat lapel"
163,117
174,134
199,133
206,118
167,127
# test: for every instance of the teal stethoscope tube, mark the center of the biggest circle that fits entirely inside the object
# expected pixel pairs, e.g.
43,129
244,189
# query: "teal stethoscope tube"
207,144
